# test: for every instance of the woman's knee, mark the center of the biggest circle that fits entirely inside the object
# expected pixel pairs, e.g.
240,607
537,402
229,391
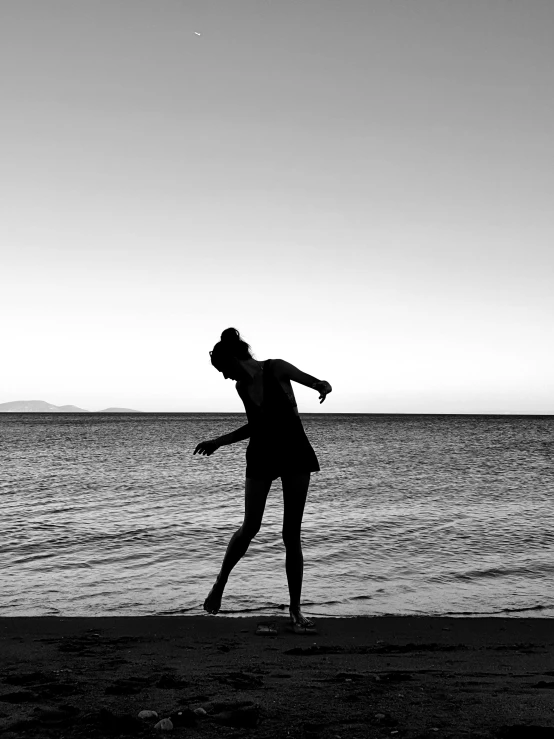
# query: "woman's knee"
248,531
291,538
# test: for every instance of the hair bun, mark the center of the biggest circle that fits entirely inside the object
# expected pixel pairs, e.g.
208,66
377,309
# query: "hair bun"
230,336
231,346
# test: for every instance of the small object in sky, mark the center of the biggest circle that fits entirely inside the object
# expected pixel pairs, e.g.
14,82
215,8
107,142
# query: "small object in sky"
197,34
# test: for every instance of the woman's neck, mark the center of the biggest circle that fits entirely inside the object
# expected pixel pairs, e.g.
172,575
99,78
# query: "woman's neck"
253,368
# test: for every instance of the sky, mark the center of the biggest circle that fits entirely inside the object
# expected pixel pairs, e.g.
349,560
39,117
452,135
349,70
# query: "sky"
363,188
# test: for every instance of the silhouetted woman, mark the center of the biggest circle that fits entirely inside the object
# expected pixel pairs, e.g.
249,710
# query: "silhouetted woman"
278,447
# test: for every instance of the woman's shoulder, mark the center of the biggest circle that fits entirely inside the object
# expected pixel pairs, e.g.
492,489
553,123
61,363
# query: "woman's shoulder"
273,367
278,366
276,363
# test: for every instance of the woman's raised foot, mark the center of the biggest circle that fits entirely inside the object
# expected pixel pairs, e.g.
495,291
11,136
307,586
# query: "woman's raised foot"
212,604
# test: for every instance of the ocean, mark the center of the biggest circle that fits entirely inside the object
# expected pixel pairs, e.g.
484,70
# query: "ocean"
111,514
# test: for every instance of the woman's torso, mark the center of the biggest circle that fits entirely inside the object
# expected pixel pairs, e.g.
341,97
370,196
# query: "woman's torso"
269,401
278,443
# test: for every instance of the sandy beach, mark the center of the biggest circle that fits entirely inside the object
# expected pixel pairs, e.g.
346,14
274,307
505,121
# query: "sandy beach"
361,677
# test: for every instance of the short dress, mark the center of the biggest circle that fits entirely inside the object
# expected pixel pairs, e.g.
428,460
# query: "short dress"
278,443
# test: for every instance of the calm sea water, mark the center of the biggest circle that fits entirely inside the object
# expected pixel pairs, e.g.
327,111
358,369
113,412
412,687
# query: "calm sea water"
112,515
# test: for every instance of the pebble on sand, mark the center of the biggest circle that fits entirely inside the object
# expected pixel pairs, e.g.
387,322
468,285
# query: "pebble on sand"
164,725
148,714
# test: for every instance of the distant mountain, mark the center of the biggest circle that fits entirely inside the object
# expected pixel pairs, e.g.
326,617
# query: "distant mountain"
118,410
38,406
41,406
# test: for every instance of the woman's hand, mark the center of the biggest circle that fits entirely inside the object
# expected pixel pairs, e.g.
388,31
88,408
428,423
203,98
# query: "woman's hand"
206,447
323,388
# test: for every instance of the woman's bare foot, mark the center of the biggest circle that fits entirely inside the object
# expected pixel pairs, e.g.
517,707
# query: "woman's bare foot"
212,604
299,620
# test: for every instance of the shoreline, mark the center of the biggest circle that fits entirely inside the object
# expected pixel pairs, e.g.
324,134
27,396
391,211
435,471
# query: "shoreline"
361,676
536,613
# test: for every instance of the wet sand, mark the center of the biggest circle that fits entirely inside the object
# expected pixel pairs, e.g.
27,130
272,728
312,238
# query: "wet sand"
362,677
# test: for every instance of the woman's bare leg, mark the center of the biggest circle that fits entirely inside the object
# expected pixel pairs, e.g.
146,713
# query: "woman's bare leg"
295,490
254,505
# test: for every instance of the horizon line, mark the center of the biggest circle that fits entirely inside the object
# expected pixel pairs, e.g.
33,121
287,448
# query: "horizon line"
242,413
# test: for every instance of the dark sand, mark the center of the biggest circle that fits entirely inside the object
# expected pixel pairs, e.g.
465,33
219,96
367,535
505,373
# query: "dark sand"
363,677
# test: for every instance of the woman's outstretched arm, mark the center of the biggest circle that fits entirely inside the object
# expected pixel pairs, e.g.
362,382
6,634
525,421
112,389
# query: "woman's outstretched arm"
209,447
288,371
238,435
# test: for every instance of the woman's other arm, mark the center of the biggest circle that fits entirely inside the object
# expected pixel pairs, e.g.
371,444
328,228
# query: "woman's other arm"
210,446
288,371
234,436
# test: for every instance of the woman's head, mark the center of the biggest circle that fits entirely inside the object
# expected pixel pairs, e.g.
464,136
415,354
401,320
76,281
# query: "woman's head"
230,348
